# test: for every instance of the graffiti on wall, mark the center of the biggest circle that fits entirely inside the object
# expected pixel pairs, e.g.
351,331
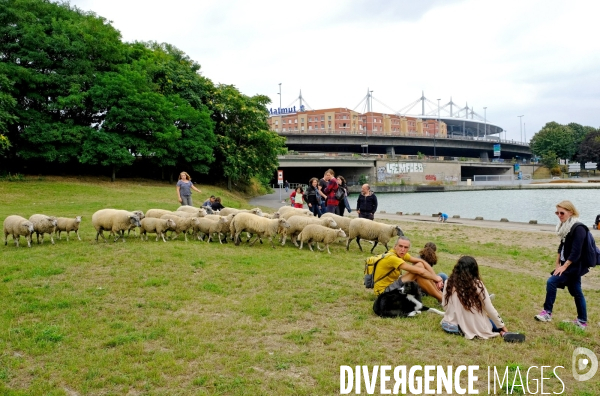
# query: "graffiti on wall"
404,167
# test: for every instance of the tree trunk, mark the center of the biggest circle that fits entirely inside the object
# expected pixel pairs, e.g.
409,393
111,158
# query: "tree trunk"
171,177
229,183
162,173
114,173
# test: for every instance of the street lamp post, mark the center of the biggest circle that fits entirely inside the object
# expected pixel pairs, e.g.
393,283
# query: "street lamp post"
521,123
280,96
484,121
372,118
436,129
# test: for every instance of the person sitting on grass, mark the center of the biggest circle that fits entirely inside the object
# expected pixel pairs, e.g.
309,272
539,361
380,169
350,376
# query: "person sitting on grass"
429,254
388,274
469,309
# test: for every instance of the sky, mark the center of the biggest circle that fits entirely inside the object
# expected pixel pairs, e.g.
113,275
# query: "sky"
539,59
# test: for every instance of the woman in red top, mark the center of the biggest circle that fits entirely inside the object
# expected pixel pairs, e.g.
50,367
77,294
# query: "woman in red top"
297,198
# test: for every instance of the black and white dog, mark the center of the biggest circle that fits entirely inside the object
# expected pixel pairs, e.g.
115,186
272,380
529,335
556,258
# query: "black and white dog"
404,302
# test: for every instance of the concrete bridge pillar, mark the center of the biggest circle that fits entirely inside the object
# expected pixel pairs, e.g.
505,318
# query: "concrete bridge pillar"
390,151
484,156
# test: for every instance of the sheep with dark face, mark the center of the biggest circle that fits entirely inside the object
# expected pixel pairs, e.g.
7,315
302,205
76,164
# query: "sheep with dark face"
372,231
43,224
17,226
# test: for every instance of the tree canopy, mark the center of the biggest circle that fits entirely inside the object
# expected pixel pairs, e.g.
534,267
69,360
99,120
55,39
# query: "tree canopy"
73,92
570,142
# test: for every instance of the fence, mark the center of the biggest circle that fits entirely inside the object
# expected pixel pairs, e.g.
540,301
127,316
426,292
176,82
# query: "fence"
501,179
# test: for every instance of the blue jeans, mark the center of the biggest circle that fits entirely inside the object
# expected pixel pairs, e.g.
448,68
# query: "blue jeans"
315,209
573,284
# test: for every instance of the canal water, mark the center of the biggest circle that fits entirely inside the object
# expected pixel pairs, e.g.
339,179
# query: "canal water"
515,205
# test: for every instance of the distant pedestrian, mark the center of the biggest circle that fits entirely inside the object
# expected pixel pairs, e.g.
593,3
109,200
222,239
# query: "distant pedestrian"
313,198
366,205
297,198
330,191
568,266
184,189
286,185
443,217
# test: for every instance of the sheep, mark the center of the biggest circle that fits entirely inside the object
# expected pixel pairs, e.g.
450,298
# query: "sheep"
297,224
157,213
372,231
343,222
274,215
227,211
209,227
140,215
289,214
318,233
43,224
286,209
260,226
193,209
223,226
114,220
158,226
198,213
67,224
182,224
16,226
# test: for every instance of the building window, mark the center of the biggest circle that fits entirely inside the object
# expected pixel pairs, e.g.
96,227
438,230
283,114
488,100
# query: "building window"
344,125
296,121
302,119
329,117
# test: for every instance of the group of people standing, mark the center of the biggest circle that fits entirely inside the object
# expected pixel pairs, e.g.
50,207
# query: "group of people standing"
330,195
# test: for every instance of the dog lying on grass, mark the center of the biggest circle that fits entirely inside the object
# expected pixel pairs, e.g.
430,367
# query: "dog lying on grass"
402,302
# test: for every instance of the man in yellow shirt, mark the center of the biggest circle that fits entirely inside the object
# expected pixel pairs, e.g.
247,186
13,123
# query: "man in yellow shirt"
388,274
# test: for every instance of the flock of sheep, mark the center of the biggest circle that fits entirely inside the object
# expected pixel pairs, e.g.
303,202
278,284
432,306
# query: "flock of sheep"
298,224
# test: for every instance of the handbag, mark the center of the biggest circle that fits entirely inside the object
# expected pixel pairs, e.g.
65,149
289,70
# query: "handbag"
340,194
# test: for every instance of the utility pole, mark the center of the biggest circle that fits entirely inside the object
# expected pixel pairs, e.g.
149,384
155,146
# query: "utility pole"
280,96
484,121
521,123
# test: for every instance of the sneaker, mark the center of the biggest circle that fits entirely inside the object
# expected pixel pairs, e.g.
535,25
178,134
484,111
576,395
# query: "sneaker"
577,322
513,337
544,316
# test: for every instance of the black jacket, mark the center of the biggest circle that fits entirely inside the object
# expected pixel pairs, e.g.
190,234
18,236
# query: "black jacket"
367,203
574,246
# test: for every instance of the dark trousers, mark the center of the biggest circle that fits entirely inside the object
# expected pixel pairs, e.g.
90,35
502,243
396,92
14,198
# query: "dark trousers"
369,216
341,208
573,284
332,209
315,209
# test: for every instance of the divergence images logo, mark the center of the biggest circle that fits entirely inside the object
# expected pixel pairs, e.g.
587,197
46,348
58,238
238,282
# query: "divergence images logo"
582,363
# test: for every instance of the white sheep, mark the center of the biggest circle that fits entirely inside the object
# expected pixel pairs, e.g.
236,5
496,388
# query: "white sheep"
372,231
198,213
274,215
287,208
43,224
258,225
67,224
297,213
114,220
209,226
297,224
223,226
342,222
16,226
158,226
157,213
317,233
228,211
193,209
182,224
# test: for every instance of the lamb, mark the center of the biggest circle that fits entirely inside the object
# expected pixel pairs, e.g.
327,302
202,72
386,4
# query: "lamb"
209,227
182,224
16,226
66,224
297,224
258,225
43,224
114,220
223,226
158,226
228,211
157,213
318,233
372,231
343,222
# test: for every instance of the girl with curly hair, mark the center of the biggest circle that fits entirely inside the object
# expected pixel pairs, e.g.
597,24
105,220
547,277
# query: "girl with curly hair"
468,307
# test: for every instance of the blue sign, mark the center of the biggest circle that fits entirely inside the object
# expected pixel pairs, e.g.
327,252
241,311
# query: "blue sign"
285,110
496,150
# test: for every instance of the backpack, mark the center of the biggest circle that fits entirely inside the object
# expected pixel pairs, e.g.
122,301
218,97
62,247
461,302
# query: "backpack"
591,256
370,266
340,194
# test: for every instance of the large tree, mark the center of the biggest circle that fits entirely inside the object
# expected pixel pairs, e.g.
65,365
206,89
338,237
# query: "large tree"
554,137
589,149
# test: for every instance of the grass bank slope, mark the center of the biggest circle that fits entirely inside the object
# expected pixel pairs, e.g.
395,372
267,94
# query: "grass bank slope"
197,318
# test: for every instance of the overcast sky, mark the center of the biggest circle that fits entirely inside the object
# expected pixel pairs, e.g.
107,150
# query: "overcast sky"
536,58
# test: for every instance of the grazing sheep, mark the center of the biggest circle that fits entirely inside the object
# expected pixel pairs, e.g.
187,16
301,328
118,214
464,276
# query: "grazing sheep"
297,224
158,226
182,224
140,215
286,209
258,225
372,231
224,226
16,226
343,222
289,214
209,227
198,213
318,233
157,213
228,211
114,220
275,215
43,224
193,209
67,224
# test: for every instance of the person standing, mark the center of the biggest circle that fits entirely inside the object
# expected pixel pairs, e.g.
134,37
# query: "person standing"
322,186
184,189
286,185
342,205
569,266
313,198
330,190
366,205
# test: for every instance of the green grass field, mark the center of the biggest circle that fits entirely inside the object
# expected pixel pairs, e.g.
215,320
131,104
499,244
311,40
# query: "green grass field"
88,318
